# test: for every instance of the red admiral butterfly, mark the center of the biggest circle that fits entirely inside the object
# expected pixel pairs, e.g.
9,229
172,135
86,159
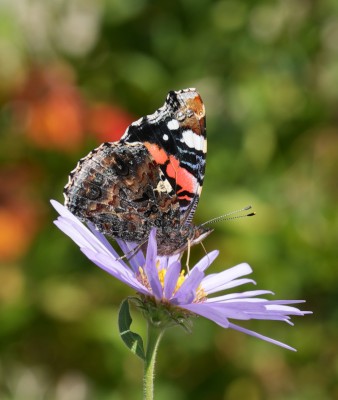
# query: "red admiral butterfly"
151,178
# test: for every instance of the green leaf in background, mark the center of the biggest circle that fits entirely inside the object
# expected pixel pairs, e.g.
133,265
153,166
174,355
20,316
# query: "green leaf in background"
133,341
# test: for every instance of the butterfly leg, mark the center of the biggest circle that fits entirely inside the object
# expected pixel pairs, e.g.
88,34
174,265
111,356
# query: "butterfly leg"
128,256
205,251
188,256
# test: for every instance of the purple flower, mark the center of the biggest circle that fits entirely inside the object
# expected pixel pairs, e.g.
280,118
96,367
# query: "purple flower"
162,279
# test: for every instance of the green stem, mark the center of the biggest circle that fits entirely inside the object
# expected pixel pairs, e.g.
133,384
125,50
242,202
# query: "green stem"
154,337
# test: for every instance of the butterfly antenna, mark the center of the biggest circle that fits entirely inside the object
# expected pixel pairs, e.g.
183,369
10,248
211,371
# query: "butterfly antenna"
231,215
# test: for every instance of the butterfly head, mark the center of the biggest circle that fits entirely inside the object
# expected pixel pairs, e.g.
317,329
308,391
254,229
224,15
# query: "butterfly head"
176,241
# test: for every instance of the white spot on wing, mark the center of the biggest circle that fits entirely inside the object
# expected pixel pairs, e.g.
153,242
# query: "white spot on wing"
193,141
163,185
173,124
165,137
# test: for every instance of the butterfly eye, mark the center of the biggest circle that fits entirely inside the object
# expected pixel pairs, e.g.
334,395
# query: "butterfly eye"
120,167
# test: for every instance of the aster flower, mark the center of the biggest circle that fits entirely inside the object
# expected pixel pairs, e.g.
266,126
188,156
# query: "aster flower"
163,286
168,296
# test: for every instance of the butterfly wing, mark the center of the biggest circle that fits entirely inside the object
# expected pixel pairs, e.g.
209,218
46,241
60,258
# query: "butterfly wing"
152,177
122,191
175,135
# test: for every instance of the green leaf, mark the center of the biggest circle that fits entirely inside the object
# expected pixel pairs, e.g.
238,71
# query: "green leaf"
133,341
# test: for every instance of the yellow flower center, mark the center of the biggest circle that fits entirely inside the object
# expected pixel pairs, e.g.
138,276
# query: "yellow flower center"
200,293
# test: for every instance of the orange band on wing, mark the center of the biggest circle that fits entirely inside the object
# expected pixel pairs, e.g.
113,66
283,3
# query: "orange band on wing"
185,197
159,155
183,178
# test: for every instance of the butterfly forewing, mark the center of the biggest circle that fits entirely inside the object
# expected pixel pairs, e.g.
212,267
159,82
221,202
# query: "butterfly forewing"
175,135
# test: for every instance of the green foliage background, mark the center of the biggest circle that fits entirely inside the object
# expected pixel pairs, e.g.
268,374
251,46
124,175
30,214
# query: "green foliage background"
268,74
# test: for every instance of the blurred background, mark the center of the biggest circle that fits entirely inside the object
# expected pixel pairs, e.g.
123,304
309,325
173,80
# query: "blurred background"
75,73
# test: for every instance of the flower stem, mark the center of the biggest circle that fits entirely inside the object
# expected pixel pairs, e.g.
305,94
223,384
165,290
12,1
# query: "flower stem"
154,336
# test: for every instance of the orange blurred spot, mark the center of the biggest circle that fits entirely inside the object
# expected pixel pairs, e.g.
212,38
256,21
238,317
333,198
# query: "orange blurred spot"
108,123
17,228
20,215
51,109
53,113
55,123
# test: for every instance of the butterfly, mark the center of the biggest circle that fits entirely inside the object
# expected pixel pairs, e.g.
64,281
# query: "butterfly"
152,177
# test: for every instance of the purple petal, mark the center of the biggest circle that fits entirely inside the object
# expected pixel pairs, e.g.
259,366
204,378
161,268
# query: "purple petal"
80,234
226,311
286,309
170,279
106,244
232,296
96,247
255,309
213,283
234,283
135,259
150,266
267,307
206,261
64,212
76,230
114,268
165,261
252,310
259,336
102,239
187,292
208,311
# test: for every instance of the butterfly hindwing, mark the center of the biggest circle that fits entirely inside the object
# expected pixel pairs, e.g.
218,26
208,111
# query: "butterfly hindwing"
102,190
